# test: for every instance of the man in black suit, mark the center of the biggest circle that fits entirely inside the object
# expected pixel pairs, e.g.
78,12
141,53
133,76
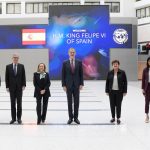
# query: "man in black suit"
72,83
15,84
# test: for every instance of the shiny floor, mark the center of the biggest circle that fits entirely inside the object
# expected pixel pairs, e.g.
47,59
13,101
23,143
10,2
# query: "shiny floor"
94,133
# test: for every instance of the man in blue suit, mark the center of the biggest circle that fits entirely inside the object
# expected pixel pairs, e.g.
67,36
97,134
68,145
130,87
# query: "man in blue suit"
72,83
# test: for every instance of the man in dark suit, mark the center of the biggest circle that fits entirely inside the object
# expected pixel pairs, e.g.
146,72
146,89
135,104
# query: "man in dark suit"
72,83
15,84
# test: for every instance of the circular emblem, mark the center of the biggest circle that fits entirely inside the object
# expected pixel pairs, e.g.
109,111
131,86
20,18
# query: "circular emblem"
30,37
120,36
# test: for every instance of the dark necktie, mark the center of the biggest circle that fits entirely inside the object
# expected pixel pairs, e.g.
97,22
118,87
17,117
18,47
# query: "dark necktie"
15,69
72,66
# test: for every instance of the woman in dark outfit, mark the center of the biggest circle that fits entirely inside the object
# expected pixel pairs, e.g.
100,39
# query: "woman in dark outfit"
116,88
41,83
146,88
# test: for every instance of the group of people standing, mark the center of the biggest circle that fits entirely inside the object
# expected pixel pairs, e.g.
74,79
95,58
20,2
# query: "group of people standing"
72,83
15,79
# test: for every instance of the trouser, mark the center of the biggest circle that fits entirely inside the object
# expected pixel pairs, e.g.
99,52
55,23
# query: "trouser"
147,99
42,109
73,95
16,96
115,97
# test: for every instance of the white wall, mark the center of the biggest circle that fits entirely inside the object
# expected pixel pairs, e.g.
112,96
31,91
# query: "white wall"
29,59
122,55
142,3
126,9
144,33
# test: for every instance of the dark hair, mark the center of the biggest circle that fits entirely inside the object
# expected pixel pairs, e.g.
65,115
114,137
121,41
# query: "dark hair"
39,66
148,59
115,61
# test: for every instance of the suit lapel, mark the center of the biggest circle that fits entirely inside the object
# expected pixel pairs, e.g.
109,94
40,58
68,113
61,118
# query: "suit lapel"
69,65
76,64
38,76
18,69
12,69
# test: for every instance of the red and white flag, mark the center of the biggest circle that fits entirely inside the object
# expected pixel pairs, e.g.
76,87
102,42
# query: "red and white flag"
33,37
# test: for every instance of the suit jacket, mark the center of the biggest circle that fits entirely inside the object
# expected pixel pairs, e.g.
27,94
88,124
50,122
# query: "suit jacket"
68,78
122,81
145,78
41,84
15,82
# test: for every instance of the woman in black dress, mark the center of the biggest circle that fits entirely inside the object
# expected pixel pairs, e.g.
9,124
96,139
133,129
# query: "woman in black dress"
41,83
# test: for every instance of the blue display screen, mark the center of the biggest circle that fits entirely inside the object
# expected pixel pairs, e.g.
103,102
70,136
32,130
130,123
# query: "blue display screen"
85,28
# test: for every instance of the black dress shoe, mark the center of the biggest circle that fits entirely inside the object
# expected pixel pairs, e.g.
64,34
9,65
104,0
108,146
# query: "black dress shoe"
76,121
39,122
112,120
19,121
12,121
43,121
69,121
118,121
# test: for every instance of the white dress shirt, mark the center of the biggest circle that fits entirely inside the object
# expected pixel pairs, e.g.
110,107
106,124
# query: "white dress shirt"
115,83
42,75
73,62
16,67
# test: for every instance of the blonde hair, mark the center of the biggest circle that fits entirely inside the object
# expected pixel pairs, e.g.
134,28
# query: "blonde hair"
70,49
15,55
39,66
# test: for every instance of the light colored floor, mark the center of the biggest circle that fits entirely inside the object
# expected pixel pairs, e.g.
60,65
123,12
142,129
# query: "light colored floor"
95,131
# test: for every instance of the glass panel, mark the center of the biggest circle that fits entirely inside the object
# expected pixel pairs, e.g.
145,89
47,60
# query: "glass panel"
55,3
147,12
87,3
96,3
45,7
138,13
65,3
76,3
40,7
143,13
10,8
36,7
115,7
50,3
70,3
59,3
17,8
29,8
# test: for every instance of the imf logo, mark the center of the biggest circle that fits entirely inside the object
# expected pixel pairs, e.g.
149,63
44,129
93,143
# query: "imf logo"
120,36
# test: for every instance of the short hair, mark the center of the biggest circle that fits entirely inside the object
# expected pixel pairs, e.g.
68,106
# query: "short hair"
15,55
39,66
115,61
148,59
71,49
